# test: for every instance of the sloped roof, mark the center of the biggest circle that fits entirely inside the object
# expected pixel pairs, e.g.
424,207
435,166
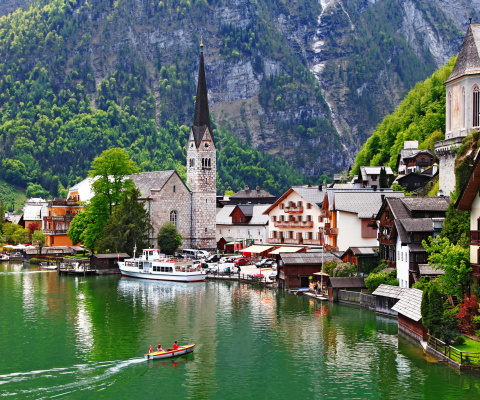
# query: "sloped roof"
363,203
341,283
258,216
362,251
32,213
308,258
417,224
110,256
365,171
416,248
83,188
426,269
471,187
251,194
410,304
468,60
311,194
398,208
146,181
256,212
223,215
247,209
393,292
427,203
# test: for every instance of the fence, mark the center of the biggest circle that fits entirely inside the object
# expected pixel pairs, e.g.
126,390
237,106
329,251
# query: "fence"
461,357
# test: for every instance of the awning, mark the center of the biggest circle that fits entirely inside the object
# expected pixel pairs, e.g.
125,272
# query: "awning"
287,249
256,248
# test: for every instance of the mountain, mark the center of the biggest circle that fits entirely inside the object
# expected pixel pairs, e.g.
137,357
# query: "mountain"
305,81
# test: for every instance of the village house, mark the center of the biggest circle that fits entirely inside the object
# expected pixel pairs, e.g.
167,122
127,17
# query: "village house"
364,258
33,211
469,199
369,177
462,114
249,196
412,159
347,213
414,181
402,225
295,217
243,221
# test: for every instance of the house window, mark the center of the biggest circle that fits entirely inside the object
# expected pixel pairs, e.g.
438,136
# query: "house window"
234,219
281,206
274,218
241,219
174,217
476,107
449,111
309,217
374,177
300,204
309,206
220,231
206,230
174,188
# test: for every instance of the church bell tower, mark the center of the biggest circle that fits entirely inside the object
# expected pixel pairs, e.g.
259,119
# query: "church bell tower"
202,169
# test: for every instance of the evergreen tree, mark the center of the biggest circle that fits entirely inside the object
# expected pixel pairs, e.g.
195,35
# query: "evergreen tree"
383,181
169,239
425,308
435,311
128,226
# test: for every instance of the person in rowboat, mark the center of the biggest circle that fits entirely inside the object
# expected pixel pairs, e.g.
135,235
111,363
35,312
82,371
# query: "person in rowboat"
150,350
159,347
175,345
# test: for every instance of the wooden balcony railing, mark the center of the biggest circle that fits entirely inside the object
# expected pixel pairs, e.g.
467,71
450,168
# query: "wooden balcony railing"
475,238
312,241
293,224
294,209
292,241
55,231
331,231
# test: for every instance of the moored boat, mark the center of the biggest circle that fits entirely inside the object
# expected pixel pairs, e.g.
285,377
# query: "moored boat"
170,352
151,265
4,257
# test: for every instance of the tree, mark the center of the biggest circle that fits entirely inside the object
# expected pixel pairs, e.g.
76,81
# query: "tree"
468,311
128,226
110,170
34,226
2,215
435,311
169,239
14,233
383,180
374,280
38,238
456,225
454,260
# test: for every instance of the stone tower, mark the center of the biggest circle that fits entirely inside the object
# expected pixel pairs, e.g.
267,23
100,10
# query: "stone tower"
202,169
462,112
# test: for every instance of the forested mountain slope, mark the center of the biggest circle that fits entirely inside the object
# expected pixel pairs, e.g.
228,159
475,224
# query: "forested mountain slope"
420,116
77,77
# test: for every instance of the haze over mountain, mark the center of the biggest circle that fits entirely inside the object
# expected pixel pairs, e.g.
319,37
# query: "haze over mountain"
306,81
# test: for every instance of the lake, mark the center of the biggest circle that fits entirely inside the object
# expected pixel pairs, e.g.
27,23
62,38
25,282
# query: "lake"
85,337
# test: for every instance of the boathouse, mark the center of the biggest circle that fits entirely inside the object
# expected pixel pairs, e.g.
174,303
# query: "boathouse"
106,261
410,315
386,296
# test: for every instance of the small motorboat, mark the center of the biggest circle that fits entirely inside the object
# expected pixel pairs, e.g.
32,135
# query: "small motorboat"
170,352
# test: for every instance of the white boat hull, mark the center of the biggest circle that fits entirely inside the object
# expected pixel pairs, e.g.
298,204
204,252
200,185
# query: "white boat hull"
198,277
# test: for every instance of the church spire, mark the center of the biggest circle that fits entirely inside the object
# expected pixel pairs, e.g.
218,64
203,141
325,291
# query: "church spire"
201,119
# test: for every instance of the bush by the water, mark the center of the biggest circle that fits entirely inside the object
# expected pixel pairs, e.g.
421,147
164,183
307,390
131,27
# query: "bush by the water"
374,280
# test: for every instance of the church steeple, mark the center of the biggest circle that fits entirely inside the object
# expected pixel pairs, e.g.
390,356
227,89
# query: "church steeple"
201,120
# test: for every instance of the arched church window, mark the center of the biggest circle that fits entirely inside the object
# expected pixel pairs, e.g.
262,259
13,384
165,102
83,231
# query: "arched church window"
174,217
449,111
476,107
462,109
192,162
209,163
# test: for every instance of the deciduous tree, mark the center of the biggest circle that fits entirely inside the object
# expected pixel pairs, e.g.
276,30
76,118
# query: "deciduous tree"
38,238
169,239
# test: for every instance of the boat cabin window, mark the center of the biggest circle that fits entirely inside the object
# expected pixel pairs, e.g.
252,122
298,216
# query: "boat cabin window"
138,265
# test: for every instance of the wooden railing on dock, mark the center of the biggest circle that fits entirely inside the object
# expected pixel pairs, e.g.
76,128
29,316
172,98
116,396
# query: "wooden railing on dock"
241,278
462,357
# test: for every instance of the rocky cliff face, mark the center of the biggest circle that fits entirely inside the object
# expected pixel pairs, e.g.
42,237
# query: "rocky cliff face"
364,55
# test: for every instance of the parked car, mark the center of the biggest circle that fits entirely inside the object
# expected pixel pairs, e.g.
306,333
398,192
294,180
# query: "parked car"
203,265
241,261
272,276
270,264
213,258
261,263
202,253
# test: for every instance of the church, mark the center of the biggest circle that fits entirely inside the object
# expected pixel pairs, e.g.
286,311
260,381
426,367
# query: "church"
190,206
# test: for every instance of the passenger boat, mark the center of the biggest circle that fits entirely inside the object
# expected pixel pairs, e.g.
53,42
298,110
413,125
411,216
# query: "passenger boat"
151,265
170,352
4,257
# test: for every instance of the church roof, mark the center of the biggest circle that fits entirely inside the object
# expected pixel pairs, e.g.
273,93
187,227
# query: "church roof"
201,120
468,60
148,181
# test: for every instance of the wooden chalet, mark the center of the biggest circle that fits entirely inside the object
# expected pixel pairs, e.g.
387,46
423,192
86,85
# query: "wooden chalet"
410,315
361,256
353,284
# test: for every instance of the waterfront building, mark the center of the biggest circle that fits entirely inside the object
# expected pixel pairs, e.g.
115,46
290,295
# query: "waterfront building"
410,314
462,115
347,213
243,221
364,258
469,199
33,211
402,225
249,196
295,217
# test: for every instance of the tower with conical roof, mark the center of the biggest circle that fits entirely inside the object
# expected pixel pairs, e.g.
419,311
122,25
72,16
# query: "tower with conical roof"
201,169
462,112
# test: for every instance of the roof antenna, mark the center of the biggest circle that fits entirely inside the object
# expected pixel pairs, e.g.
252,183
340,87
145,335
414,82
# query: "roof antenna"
201,41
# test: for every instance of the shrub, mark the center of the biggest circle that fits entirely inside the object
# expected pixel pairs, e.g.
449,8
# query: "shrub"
344,270
465,317
374,280
459,340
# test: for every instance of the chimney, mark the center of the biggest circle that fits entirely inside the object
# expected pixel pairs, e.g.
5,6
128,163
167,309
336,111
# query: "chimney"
434,169
309,184
246,187
258,188
440,193
382,197
320,187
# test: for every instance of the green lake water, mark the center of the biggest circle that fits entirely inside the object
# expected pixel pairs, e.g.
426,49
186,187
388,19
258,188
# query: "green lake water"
84,337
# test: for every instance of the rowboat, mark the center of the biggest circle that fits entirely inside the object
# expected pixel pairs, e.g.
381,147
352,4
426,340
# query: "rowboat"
170,352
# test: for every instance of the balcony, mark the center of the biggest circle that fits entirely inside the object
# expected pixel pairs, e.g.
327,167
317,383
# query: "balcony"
475,238
475,271
312,241
331,231
55,231
423,163
293,224
60,218
63,202
294,209
291,241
